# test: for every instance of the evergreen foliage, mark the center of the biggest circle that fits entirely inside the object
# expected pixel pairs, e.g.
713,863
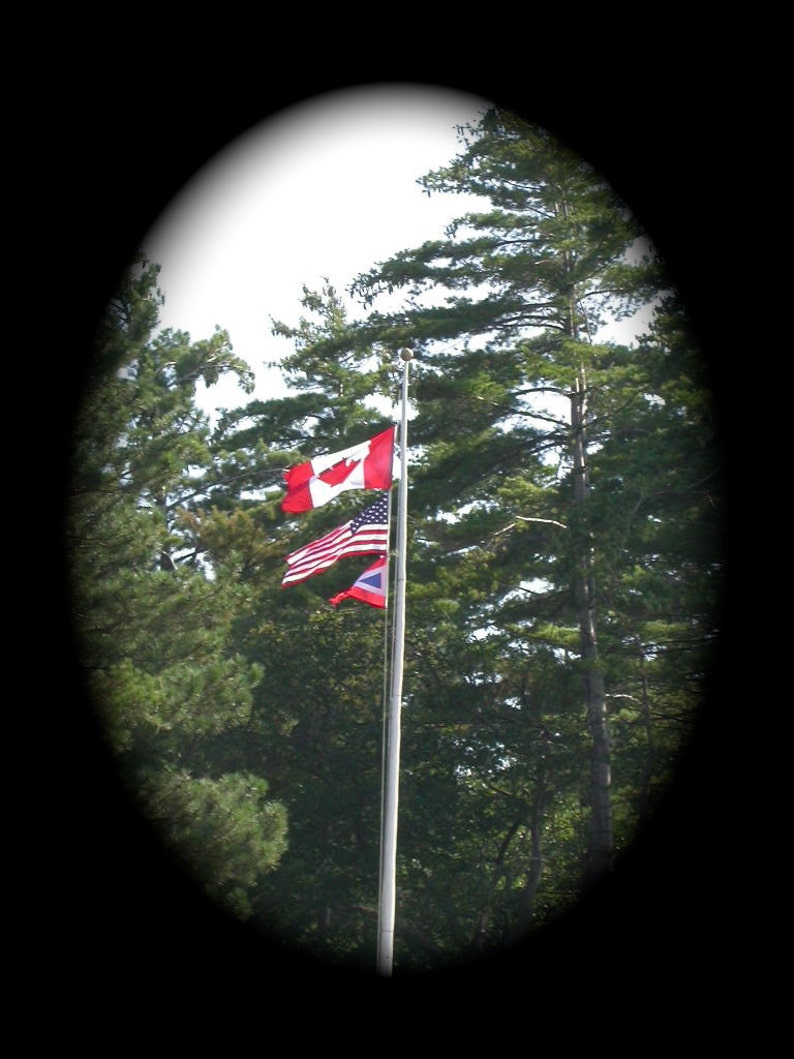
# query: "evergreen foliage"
565,569
156,633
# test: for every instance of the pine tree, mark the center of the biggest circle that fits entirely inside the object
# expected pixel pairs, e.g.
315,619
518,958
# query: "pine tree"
564,569
550,651
153,624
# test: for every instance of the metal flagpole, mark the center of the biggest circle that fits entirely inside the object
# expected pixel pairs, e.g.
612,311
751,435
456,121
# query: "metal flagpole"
388,871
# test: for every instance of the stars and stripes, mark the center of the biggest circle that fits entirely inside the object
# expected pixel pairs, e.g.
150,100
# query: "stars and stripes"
365,534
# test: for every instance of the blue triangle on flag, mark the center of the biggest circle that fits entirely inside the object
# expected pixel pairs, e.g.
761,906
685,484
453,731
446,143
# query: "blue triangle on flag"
375,579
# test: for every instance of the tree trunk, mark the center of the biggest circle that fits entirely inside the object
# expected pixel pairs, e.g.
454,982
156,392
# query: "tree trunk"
600,847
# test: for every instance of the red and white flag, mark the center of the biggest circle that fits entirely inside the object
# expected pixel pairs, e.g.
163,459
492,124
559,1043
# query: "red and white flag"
368,465
366,534
371,587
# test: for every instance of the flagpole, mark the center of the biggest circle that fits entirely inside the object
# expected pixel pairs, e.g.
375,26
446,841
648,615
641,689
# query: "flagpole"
388,872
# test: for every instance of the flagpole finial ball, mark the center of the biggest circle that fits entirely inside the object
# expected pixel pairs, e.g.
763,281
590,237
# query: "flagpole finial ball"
407,354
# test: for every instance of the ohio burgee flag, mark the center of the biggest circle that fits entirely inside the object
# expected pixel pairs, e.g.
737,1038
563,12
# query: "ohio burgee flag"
370,588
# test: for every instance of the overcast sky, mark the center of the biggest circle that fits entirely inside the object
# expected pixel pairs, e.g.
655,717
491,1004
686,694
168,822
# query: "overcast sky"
324,189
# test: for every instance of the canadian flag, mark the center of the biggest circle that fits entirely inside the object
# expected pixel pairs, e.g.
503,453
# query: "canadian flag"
368,465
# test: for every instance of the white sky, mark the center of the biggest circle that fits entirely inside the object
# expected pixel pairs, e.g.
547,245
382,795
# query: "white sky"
326,188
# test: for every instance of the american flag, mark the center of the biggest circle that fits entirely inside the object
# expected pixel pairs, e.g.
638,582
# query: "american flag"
366,534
